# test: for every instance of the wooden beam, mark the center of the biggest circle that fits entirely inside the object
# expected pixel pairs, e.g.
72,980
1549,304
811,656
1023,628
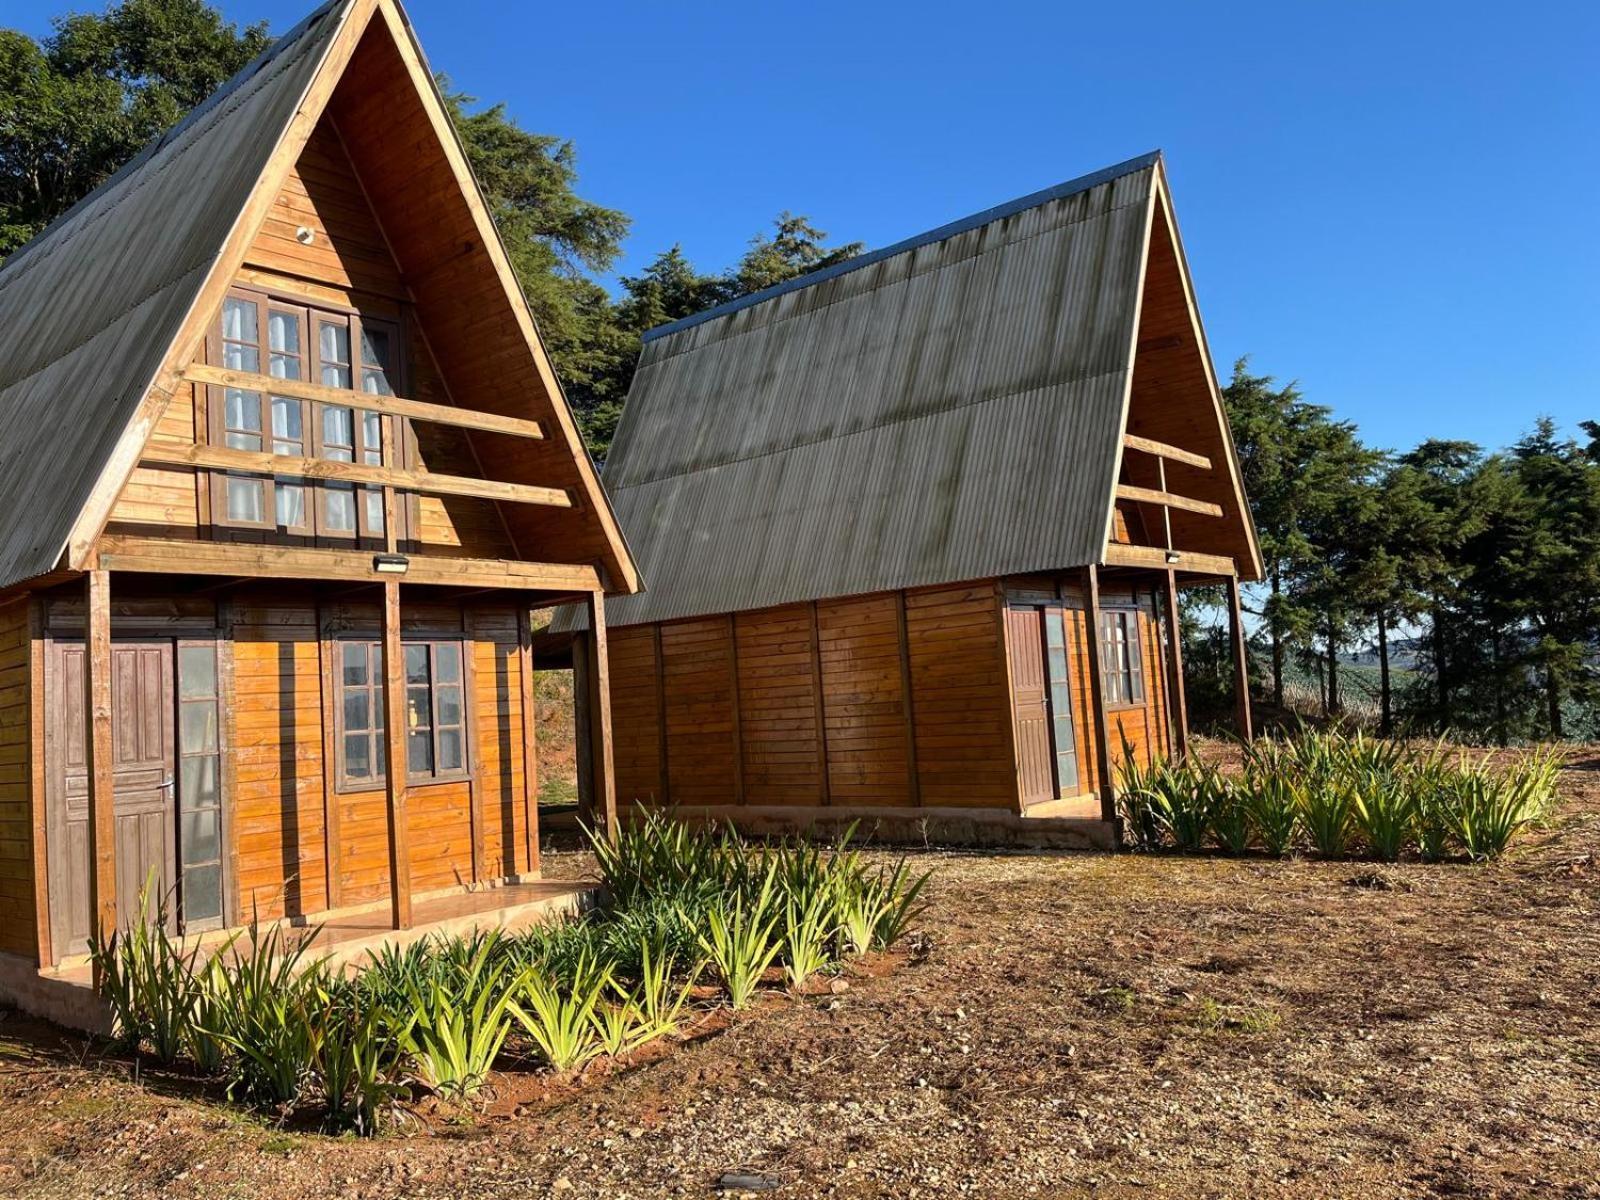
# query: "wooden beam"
1154,557
223,458
529,693
600,742
394,406
38,777
1097,694
907,705
1241,661
819,704
1162,450
1127,491
664,798
102,825
394,736
1175,689
733,706
164,556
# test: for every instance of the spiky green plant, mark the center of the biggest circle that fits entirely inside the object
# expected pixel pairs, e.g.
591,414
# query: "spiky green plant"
559,1016
808,929
740,941
266,1000
1271,794
460,1018
1486,809
360,1060
1327,808
1231,822
148,980
1386,810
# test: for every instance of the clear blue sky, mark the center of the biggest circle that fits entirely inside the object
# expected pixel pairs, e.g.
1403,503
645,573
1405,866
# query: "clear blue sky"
1392,202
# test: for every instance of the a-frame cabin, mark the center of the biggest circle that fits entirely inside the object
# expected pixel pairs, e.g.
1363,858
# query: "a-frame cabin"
915,527
284,472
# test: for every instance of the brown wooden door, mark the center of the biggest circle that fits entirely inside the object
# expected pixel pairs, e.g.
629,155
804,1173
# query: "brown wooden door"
143,771
1030,702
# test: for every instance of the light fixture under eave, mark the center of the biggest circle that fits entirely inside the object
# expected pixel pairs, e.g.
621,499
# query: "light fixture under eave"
390,564
1173,556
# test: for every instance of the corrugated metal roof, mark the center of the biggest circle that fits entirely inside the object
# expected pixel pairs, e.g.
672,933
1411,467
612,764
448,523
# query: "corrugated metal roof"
950,408
90,307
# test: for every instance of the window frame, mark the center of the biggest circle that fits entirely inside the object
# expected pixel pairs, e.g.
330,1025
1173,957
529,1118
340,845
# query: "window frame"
314,529
377,730
1121,659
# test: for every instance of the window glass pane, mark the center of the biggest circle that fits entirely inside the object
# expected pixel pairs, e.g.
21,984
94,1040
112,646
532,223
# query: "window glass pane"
283,333
419,753
239,319
335,376
201,839
374,347
241,410
450,756
417,664
357,709
202,893
357,756
1054,634
447,662
288,425
197,672
198,782
355,664
341,508
1058,662
240,358
380,751
372,435
290,500
374,511
449,705
244,500
338,429
418,714
197,726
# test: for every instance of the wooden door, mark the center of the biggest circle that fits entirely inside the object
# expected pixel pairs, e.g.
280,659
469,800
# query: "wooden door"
142,770
1030,702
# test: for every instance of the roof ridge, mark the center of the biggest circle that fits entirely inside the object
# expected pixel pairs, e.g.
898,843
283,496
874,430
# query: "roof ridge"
35,246
938,234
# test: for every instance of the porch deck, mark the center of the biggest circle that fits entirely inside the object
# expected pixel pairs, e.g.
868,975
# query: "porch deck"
65,995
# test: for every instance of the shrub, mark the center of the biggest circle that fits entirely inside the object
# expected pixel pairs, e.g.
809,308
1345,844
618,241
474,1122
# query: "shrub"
267,1002
1271,794
1485,810
1231,821
1327,809
739,940
561,1019
458,1020
359,1059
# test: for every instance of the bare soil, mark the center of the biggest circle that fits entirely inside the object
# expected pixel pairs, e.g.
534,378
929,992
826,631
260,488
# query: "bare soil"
1065,1025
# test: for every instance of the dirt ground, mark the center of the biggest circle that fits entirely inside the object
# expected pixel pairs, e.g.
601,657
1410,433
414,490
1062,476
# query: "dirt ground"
1069,1025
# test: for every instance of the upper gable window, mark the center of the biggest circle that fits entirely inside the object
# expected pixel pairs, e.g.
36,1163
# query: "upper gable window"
303,343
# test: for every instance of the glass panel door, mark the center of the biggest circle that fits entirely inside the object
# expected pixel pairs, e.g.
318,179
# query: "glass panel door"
1058,681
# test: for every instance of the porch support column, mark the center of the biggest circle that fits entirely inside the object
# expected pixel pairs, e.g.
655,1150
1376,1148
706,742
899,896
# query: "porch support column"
1178,701
1097,694
102,782
394,736
1241,661
603,782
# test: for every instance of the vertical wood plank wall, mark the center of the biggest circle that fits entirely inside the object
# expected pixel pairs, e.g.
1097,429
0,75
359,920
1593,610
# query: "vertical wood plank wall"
18,920
843,661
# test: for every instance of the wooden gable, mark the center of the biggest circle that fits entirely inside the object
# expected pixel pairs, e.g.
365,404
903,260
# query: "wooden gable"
1176,438
369,206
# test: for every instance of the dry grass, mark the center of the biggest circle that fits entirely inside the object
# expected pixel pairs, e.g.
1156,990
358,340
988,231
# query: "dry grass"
1106,1025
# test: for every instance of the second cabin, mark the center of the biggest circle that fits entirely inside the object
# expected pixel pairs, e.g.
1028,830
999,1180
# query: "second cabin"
914,529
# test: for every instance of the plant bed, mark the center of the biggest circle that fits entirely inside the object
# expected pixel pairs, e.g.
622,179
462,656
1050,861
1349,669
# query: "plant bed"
1341,796
436,1033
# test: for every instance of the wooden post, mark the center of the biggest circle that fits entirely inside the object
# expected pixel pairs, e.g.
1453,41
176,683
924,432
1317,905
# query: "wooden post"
102,781
604,785
527,683
1097,694
394,719
1241,661
1175,690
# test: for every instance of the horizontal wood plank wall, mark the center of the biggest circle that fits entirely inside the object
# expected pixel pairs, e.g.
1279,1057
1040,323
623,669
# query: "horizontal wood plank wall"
777,707
276,718
277,727
636,716
163,500
702,762
960,705
18,918
863,700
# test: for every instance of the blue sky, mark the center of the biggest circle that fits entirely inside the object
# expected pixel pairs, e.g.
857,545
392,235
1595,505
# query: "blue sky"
1392,203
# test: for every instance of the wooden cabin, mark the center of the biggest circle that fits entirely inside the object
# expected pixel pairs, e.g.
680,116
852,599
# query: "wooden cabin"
284,472
915,526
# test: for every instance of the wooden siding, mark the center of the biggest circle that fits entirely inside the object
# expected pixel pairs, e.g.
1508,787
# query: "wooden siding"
946,743
283,762
18,919
346,265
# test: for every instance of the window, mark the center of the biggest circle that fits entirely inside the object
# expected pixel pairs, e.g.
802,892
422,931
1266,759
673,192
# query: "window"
1120,661
295,342
1063,738
436,722
199,790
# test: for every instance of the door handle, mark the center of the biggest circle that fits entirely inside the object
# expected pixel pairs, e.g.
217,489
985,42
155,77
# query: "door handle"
166,784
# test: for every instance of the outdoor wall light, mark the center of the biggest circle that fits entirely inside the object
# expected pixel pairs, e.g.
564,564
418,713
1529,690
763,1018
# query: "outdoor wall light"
1173,556
390,564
